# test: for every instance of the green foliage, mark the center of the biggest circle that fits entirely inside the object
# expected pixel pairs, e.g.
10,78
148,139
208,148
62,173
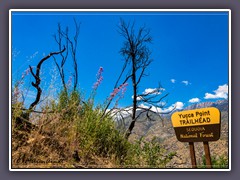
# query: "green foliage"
63,100
68,104
81,126
144,154
220,162
98,135
16,111
74,98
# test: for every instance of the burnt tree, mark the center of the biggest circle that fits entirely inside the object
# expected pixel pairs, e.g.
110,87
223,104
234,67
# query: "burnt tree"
60,65
70,43
136,55
22,122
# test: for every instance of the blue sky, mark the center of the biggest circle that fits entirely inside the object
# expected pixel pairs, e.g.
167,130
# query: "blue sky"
189,52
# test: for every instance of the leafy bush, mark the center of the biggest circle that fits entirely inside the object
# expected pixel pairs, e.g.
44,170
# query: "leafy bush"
78,125
217,162
144,154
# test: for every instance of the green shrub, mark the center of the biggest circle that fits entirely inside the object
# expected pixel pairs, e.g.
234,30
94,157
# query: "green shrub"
79,125
144,154
220,162
62,100
98,135
68,104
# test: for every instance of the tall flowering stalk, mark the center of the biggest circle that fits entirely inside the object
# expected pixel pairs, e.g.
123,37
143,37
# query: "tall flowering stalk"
16,91
16,95
25,73
99,78
69,83
119,92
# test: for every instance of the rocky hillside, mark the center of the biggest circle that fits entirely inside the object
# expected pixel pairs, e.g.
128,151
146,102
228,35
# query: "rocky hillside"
222,105
162,130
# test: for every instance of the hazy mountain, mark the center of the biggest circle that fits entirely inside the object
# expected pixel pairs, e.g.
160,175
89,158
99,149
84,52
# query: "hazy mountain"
222,105
151,117
162,130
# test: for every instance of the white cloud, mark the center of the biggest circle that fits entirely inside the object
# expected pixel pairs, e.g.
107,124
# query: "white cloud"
143,106
139,98
150,91
194,100
179,105
153,108
173,80
125,112
186,82
120,113
161,103
221,92
153,90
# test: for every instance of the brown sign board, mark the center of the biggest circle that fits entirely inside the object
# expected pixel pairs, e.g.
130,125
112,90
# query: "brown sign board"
198,125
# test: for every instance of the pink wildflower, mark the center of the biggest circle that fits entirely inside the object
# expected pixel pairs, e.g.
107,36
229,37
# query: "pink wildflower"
69,83
16,92
99,78
122,88
26,72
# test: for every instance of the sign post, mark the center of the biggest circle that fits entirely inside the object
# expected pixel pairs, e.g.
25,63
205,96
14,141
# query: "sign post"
199,125
207,154
192,155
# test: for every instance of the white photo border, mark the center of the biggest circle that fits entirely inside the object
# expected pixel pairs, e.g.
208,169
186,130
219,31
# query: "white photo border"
123,11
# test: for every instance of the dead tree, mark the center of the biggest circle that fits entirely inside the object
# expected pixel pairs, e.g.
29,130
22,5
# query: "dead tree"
22,122
136,54
71,47
60,65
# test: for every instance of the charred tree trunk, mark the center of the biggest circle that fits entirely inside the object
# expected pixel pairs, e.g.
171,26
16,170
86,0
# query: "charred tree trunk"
134,84
137,54
22,122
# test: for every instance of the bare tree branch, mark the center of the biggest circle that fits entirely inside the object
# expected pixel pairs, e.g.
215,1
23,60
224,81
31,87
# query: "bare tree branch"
136,53
37,77
73,48
23,120
60,66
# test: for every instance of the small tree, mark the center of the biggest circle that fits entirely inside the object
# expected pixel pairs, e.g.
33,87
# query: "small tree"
60,65
23,119
62,38
66,45
136,54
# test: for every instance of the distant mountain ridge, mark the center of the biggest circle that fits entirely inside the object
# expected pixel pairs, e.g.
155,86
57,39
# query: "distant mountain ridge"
162,131
222,105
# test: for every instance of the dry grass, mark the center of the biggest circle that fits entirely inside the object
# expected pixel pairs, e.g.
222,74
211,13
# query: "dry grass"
43,146
54,140
76,136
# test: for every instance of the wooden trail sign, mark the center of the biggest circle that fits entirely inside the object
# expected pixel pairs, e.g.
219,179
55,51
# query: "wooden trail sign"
199,125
